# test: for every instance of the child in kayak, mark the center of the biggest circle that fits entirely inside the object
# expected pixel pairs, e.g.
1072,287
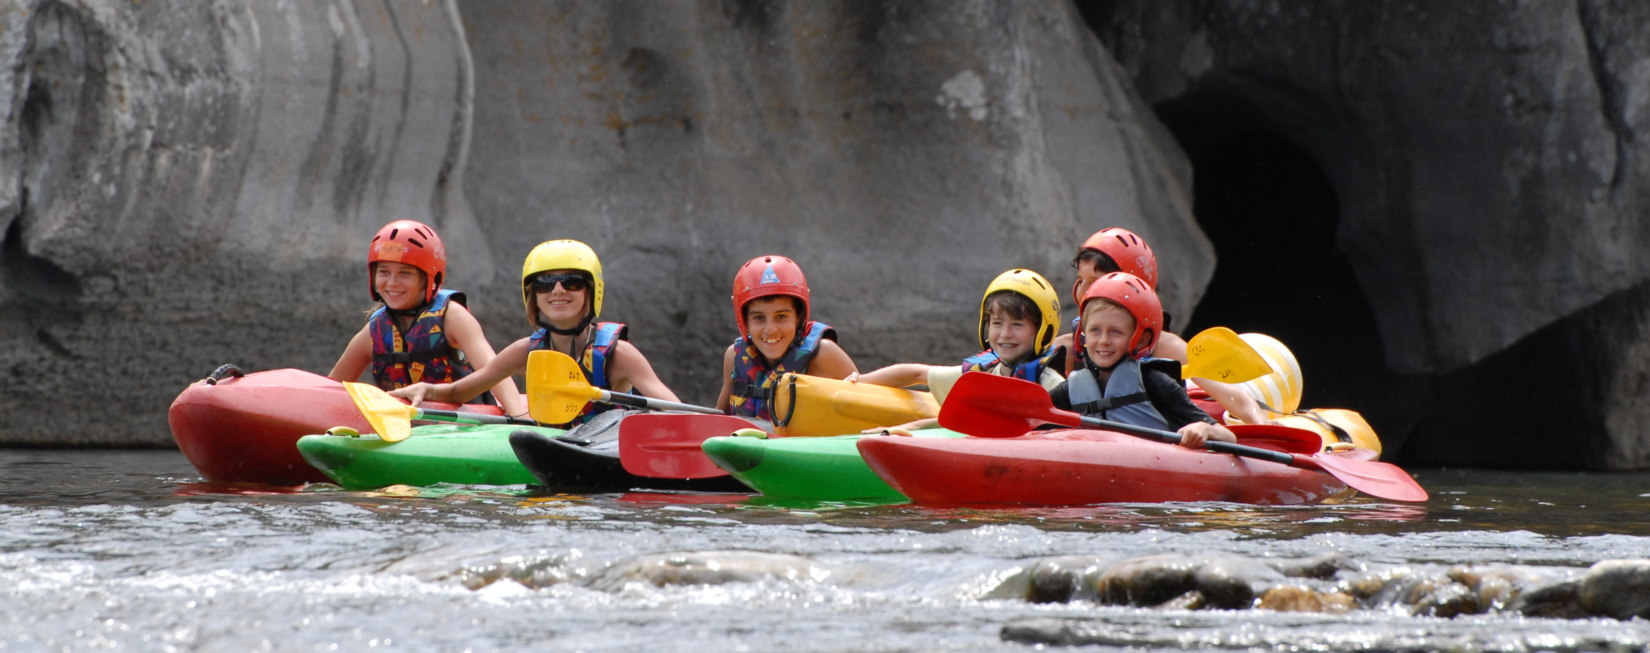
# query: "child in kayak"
770,303
1019,315
1116,377
420,332
561,287
1115,249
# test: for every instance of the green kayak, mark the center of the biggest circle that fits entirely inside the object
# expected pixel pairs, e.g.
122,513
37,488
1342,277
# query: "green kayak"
816,469
436,453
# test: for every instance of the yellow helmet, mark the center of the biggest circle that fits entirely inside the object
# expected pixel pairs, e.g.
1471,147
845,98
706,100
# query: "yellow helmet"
561,255
1033,287
1281,390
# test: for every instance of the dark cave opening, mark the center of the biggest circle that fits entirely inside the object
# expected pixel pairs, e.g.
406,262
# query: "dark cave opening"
1272,213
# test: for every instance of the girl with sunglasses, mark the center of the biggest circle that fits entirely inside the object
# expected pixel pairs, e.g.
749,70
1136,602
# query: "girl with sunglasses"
420,332
561,288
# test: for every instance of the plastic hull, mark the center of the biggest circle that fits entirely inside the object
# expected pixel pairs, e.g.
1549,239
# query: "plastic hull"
1078,467
437,453
244,429
822,469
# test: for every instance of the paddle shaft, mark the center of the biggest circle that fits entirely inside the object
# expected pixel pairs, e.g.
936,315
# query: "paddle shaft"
458,417
646,403
1170,437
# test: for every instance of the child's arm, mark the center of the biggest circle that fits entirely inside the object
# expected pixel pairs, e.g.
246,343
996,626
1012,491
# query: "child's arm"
1195,427
511,361
1235,400
722,397
898,375
465,334
831,362
630,371
355,359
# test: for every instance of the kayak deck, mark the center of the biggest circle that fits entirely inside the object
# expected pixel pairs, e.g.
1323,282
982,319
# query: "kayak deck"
437,453
1079,467
243,428
820,468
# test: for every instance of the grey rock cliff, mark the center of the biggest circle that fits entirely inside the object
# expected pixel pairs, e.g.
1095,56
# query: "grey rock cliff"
187,186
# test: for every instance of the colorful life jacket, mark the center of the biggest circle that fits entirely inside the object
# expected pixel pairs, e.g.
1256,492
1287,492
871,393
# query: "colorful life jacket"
1030,369
1124,398
422,353
754,380
593,361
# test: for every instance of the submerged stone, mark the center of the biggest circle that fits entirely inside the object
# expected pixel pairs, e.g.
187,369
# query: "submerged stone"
1617,588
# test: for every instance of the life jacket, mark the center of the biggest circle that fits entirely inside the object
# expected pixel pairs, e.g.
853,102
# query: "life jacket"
754,379
422,353
1030,369
593,361
1124,398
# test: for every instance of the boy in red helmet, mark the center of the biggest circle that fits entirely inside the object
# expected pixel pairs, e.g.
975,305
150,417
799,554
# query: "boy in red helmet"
1115,249
420,332
1116,379
770,303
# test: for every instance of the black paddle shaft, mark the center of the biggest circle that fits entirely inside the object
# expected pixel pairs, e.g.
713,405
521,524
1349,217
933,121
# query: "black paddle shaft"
1170,437
478,418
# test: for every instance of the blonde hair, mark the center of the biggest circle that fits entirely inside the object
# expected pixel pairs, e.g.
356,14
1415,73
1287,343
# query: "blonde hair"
1099,303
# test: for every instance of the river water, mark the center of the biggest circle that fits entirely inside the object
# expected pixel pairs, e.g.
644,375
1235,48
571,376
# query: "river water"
130,551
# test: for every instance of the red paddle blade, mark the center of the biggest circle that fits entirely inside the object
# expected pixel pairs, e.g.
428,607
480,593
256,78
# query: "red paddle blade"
666,445
1277,437
1371,477
990,406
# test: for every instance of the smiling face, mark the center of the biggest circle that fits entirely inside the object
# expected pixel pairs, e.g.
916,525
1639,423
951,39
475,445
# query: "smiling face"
772,323
1011,338
1107,328
401,286
561,307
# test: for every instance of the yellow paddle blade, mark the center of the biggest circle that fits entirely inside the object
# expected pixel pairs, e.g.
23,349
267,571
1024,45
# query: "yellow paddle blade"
1219,354
390,419
556,389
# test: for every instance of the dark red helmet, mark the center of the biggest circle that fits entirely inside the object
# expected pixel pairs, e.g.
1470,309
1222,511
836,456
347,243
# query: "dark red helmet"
1129,251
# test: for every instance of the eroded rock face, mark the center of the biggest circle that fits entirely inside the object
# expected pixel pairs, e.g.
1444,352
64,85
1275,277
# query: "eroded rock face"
183,185
1485,183
188,186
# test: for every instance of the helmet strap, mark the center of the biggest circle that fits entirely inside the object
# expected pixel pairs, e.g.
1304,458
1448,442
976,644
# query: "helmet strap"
413,312
583,324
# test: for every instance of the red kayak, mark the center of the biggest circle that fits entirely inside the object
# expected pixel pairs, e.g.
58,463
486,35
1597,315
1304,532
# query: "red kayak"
245,428
1078,467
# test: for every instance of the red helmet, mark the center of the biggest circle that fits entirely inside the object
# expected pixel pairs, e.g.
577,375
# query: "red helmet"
413,243
767,276
1139,299
1129,251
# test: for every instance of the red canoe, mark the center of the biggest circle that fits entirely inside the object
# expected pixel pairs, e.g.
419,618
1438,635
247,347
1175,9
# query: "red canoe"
245,429
1078,467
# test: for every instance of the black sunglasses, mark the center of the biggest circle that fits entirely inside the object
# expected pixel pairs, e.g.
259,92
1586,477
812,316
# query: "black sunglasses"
570,282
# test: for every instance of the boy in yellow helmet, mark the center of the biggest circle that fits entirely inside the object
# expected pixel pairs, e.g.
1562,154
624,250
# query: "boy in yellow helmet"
1019,315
